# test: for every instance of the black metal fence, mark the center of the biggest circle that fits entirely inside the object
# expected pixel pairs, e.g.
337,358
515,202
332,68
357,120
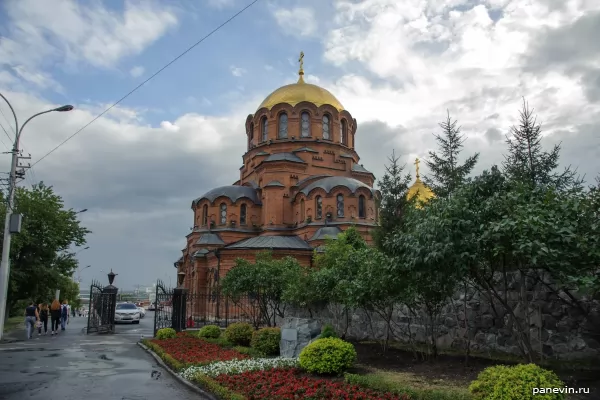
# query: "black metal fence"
101,316
182,309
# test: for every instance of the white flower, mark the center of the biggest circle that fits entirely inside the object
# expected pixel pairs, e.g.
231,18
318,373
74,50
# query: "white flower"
233,367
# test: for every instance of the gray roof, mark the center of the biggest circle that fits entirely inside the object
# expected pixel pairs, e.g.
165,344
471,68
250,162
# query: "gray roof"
326,231
360,168
309,178
233,193
210,238
284,157
271,242
200,253
328,184
262,153
344,155
252,184
275,183
307,149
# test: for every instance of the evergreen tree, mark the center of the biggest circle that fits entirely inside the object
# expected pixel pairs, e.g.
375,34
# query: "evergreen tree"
446,172
392,201
528,162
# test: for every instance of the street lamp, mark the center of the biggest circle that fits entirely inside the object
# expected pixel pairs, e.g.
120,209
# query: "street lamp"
12,180
81,211
79,273
85,248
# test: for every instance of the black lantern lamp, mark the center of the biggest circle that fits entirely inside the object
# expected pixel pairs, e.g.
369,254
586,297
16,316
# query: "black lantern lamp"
180,278
111,277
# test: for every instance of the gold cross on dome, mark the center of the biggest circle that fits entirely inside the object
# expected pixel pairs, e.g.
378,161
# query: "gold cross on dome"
417,162
301,71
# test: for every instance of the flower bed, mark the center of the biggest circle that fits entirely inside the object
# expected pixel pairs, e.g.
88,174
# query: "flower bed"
282,384
233,367
188,349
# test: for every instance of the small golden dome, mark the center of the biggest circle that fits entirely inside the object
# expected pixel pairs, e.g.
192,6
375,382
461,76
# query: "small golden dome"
418,188
299,92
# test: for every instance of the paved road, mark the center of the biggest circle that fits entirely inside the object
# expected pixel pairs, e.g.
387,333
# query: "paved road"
75,366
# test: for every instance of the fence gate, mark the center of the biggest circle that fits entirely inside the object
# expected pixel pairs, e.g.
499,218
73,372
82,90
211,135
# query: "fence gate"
101,316
163,307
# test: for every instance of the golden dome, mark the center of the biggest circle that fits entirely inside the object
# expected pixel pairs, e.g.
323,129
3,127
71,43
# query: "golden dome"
299,92
419,189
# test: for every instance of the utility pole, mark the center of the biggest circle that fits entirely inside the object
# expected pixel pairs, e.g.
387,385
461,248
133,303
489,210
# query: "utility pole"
12,222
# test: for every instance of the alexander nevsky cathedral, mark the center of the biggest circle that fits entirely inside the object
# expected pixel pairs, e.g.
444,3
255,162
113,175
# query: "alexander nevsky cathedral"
301,181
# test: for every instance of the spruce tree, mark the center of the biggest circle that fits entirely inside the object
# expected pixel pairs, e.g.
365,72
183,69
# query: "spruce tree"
527,161
447,173
392,200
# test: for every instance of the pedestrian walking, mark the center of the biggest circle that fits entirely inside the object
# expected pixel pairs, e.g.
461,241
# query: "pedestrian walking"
73,312
31,318
64,315
43,322
55,311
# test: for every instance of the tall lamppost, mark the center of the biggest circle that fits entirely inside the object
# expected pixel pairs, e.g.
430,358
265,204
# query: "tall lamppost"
12,222
79,273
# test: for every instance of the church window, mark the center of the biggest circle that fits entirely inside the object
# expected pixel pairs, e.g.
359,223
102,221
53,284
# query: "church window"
326,126
344,132
264,129
319,207
205,214
361,206
223,213
340,206
283,126
302,210
305,124
243,214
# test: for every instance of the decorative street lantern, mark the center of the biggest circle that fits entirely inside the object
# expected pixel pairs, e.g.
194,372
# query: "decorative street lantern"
111,277
180,278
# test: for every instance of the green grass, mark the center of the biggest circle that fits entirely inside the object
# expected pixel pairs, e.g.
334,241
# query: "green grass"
14,323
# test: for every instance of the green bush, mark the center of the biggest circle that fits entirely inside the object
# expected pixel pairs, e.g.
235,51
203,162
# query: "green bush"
239,333
266,341
327,356
166,333
328,331
516,383
209,331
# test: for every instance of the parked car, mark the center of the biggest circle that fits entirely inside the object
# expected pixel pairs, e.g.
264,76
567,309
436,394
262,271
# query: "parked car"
142,311
127,312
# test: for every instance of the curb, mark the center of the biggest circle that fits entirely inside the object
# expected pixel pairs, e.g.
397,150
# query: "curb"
185,382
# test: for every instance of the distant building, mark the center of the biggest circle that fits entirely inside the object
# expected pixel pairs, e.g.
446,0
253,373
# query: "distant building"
84,296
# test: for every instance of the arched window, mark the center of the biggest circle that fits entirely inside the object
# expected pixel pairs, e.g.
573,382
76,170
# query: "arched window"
243,214
319,207
250,136
283,126
340,205
361,206
326,126
223,213
205,214
263,126
305,124
344,132
302,218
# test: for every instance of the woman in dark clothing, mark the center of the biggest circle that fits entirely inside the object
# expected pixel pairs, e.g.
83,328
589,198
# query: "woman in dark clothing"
31,317
55,313
43,310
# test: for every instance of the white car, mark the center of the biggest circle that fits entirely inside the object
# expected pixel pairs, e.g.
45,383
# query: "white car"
142,312
127,312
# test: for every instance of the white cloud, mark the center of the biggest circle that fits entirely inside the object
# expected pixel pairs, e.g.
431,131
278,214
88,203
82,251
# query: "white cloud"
137,71
237,71
221,3
298,21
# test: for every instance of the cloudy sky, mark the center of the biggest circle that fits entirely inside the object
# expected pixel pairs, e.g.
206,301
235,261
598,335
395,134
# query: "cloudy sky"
397,66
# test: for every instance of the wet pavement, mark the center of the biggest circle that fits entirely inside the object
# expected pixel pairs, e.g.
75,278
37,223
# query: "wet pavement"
75,366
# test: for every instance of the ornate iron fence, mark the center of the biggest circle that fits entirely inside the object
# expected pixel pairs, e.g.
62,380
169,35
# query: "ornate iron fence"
101,316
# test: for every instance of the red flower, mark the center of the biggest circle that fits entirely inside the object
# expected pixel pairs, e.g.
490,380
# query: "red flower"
191,350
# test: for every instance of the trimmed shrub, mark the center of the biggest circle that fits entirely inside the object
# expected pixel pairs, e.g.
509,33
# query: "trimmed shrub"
166,333
266,340
327,356
209,331
328,331
516,383
239,333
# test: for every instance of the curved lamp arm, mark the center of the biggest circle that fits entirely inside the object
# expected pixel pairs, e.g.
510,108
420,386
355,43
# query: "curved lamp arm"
13,113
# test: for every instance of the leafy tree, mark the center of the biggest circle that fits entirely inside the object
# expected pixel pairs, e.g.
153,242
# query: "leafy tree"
528,162
261,284
40,256
446,172
392,203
